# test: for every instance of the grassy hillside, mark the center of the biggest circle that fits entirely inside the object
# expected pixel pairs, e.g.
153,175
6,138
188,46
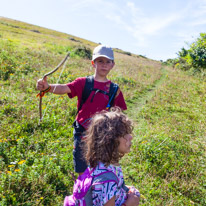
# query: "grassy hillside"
167,162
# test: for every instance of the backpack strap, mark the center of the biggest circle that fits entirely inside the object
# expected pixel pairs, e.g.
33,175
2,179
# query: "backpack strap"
112,93
96,91
126,189
108,176
104,177
88,87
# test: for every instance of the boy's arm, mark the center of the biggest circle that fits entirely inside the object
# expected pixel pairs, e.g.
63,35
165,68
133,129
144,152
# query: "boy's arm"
60,89
42,85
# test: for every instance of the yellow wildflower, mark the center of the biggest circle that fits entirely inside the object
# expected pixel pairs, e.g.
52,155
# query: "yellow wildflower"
17,170
11,165
21,162
9,172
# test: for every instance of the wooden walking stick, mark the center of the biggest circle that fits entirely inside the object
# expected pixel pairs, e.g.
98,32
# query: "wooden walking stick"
41,94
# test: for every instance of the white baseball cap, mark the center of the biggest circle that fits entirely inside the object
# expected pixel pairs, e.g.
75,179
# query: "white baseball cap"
103,51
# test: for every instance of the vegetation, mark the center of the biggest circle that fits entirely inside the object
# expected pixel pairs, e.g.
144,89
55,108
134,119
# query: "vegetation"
194,58
167,162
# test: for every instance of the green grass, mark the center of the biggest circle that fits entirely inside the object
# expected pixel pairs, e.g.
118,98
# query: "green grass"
167,162
169,148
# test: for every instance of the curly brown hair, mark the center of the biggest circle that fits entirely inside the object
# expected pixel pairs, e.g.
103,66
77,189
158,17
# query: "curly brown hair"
102,137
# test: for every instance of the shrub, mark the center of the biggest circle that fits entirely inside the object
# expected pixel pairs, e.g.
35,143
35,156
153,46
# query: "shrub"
195,57
83,52
197,53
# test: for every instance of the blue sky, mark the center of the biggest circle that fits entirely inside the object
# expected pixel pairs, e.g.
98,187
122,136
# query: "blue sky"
156,29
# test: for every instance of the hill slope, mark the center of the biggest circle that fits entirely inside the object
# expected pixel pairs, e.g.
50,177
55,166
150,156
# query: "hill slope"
168,108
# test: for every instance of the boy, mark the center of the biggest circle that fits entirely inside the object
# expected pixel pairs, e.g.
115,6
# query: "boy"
102,62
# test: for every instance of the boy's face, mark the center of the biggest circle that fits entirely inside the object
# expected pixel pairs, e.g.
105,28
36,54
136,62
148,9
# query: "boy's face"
102,66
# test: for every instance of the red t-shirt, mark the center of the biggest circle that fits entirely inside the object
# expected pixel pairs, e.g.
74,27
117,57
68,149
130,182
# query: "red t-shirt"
99,103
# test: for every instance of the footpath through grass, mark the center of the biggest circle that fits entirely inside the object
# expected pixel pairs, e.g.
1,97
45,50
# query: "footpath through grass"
167,162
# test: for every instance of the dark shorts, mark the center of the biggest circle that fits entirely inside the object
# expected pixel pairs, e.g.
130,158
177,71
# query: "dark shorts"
80,164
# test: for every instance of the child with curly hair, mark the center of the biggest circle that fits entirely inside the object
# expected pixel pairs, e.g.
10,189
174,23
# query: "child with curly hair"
108,139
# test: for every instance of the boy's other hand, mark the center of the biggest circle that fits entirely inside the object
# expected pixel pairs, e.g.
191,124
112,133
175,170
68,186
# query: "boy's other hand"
42,84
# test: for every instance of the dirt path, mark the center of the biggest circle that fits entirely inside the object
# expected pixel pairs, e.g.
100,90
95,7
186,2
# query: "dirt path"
139,101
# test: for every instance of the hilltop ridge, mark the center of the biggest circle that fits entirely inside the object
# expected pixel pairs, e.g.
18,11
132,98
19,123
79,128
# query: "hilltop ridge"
74,40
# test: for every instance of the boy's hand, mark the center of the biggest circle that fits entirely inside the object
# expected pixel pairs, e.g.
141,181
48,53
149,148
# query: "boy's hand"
42,84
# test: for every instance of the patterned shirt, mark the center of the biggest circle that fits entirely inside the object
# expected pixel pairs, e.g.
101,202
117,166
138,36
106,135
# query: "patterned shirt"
102,193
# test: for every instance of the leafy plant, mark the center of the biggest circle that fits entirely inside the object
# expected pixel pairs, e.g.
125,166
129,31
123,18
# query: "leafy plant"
194,57
83,52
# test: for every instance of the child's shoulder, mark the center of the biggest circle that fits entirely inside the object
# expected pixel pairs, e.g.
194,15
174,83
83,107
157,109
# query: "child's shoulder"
80,79
102,168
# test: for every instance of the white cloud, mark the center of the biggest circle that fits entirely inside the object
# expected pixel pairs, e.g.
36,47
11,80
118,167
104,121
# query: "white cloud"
143,25
134,10
195,14
140,26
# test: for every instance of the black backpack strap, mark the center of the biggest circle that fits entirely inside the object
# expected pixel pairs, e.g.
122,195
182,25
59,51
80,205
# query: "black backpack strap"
126,189
112,93
88,87
96,91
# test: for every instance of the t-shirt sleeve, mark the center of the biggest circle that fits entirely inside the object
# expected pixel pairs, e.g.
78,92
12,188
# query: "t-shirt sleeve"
119,101
102,193
76,87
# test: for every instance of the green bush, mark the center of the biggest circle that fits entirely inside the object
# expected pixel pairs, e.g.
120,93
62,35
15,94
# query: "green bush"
195,57
83,52
197,53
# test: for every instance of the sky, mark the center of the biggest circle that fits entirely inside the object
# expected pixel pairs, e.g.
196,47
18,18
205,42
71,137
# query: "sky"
157,29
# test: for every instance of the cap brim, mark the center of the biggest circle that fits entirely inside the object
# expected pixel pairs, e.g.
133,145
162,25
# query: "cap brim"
97,56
